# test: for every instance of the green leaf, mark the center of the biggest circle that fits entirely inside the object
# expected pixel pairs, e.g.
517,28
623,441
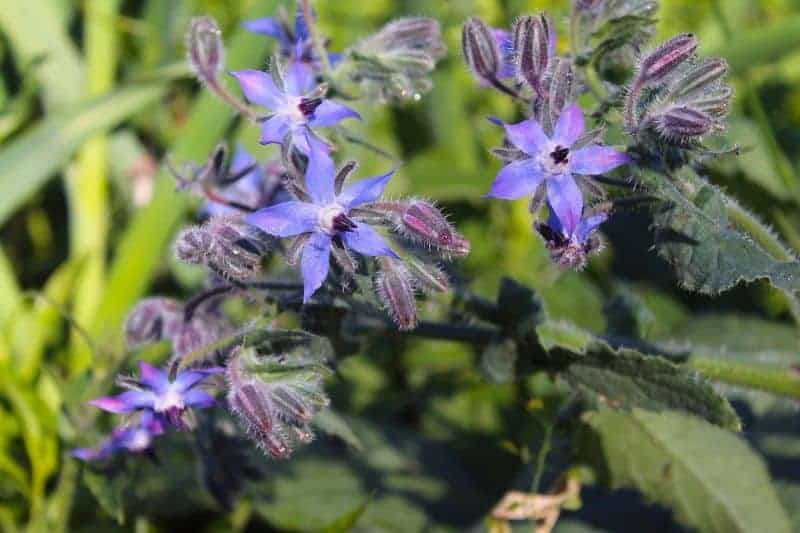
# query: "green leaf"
108,489
498,361
697,237
761,44
333,424
711,479
624,377
348,521
31,159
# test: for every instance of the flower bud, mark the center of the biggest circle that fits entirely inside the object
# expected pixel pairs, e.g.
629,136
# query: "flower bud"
481,50
679,123
561,86
699,77
666,58
532,37
206,51
428,276
420,221
716,104
396,291
153,320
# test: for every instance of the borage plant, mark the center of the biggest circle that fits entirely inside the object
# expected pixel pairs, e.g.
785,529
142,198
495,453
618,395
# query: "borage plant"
609,126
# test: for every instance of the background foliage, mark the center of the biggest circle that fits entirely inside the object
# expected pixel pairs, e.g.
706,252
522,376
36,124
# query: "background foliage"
94,94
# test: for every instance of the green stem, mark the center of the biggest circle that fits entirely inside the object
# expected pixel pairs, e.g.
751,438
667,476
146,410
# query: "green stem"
773,380
541,457
750,224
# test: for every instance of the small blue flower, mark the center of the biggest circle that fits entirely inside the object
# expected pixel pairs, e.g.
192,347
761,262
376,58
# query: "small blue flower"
135,439
325,218
248,190
551,161
295,110
571,242
157,394
295,43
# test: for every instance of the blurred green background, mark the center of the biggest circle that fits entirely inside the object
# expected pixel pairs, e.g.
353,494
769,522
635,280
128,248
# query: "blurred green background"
93,95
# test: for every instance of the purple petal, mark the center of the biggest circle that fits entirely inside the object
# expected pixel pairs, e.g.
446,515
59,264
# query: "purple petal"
595,159
274,130
364,191
188,379
199,399
320,173
330,113
300,25
570,126
92,454
516,180
151,376
315,263
335,58
285,219
566,201
125,402
588,225
259,88
528,136
365,240
268,26
299,79
241,159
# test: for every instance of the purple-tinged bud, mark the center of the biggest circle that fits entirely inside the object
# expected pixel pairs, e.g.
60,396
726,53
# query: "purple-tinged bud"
422,222
153,320
395,289
206,51
531,36
699,78
680,123
716,104
428,276
562,82
666,58
481,50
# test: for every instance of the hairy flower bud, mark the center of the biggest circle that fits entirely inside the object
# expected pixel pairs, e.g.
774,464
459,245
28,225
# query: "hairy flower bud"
532,36
680,123
153,320
395,289
275,397
666,58
206,51
421,221
428,276
481,50
560,90
699,78
228,246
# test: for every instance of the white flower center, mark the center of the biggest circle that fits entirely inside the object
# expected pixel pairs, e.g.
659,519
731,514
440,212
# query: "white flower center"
554,160
171,399
327,217
292,110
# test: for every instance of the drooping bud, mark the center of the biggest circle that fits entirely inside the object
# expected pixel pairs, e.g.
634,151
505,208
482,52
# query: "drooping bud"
699,78
275,396
666,58
428,276
481,51
206,51
422,222
716,103
226,245
532,37
153,320
395,289
680,123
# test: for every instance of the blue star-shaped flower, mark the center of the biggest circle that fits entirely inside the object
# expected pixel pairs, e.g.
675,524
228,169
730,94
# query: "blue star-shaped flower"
135,439
325,217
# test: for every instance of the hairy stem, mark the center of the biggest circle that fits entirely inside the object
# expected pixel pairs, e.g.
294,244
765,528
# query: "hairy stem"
749,223
223,94
773,380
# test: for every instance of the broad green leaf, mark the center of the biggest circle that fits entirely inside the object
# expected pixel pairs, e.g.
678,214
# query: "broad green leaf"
29,160
710,478
624,377
347,521
333,424
697,237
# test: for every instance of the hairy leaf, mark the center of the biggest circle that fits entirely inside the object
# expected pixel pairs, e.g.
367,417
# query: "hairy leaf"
624,377
710,478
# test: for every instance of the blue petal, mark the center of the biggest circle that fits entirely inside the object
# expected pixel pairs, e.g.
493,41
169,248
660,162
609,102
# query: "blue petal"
259,88
151,376
300,79
528,136
274,130
365,240
315,263
516,180
588,225
321,172
125,402
199,399
268,26
188,379
364,191
285,219
330,113
301,32
566,201
570,126
594,160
